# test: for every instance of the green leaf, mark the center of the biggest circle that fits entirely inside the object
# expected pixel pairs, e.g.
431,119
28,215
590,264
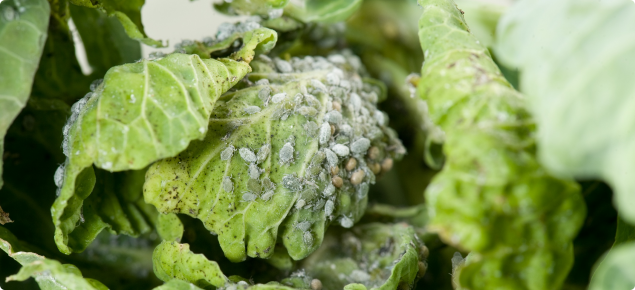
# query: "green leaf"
105,40
128,12
251,7
170,227
625,232
573,73
175,284
369,256
616,269
268,166
482,18
175,261
141,112
49,274
23,28
327,11
492,197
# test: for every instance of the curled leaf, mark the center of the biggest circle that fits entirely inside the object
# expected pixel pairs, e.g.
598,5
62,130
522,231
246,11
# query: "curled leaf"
140,113
491,187
23,27
273,161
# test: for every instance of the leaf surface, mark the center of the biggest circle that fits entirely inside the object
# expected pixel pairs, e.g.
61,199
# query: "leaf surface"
141,112
616,269
268,166
326,11
49,274
575,73
492,197
128,12
23,26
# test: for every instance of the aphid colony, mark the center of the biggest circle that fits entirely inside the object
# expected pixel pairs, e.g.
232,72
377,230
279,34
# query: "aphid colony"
339,113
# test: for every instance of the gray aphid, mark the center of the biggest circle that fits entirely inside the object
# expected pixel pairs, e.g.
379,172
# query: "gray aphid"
333,117
332,79
307,111
263,152
355,102
254,171
331,157
264,94
248,197
262,82
227,153
291,182
267,195
283,65
247,155
251,109
325,133
362,190
318,85
339,149
286,153
360,145
329,190
300,203
346,222
380,118
311,128
328,207
228,185
277,98
59,175
307,238
303,226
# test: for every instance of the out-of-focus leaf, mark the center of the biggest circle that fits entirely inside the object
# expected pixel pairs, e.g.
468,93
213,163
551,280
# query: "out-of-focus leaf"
625,233
328,11
270,8
616,270
23,26
275,158
491,198
369,256
128,12
59,75
141,112
49,274
4,217
576,72
482,18
105,40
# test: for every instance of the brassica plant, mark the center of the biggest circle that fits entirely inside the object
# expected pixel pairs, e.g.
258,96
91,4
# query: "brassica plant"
320,144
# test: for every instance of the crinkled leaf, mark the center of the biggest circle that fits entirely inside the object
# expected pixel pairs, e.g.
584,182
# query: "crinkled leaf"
175,261
23,26
616,270
575,73
128,12
328,11
369,256
170,227
49,274
105,40
482,18
141,112
265,168
492,197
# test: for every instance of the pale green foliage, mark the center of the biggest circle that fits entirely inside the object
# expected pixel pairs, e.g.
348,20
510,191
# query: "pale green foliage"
175,261
49,274
582,99
342,261
288,191
23,28
141,112
616,269
325,11
492,197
